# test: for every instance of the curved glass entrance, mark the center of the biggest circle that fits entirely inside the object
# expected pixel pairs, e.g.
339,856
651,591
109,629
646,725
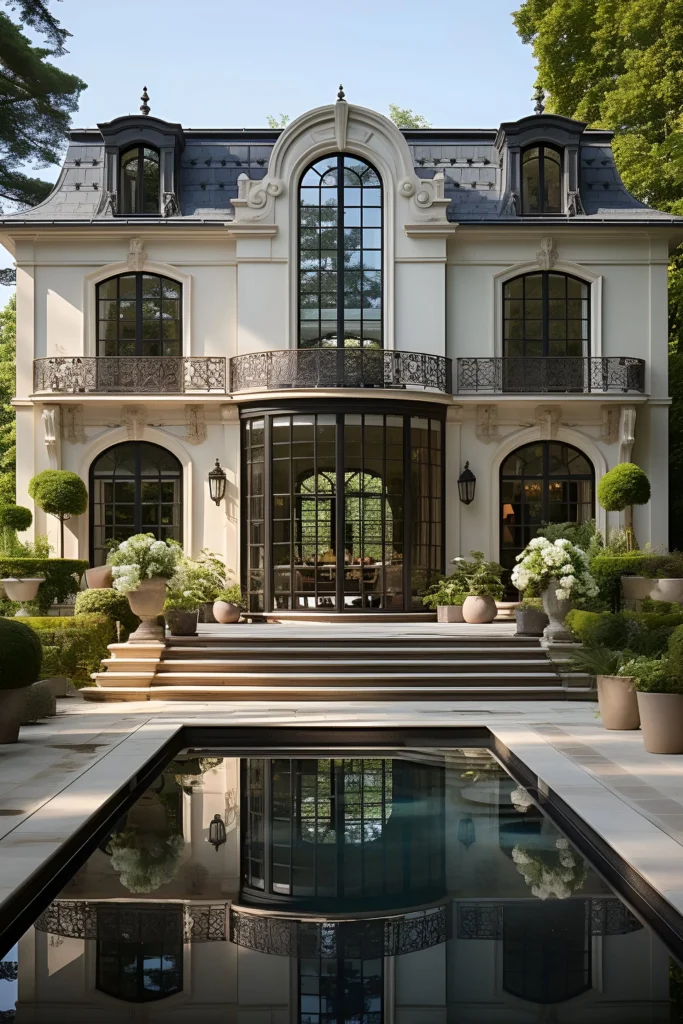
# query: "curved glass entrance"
343,510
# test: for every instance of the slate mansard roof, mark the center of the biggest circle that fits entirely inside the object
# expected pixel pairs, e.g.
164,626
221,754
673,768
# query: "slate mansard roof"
211,160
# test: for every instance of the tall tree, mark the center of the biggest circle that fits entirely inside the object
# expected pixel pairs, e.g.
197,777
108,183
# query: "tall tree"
405,118
8,340
618,64
36,100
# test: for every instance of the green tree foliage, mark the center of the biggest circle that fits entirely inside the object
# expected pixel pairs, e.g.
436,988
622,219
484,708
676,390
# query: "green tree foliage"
60,494
405,118
8,442
36,100
277,120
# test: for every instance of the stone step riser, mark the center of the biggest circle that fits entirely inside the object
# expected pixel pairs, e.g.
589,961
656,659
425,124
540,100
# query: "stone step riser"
354,665
356,679
206,694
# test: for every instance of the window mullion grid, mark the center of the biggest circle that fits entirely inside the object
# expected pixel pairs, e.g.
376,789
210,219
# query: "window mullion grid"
383,514
541,179
340,252
137,492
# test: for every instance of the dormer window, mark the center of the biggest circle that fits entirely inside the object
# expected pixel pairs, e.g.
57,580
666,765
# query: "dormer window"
541,179
139,181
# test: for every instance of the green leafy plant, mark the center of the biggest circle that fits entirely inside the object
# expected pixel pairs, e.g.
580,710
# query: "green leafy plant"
447,591
652,675
39,703
583,535
72,645
62,576
145,860
60,494
640,633
196,582
555,874
20,655
110,603
231,595
559,564
530,604
143,557
596,661
13,519
620,489
479,577
607,569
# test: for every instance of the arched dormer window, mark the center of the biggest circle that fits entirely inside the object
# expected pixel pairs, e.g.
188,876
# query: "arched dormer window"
139,181
139,315
340,254
541,179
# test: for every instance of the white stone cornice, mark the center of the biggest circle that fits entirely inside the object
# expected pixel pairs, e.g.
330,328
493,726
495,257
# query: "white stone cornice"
430,229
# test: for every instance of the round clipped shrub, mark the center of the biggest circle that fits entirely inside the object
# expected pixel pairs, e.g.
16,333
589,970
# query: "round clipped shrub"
40,703
15,517
20,655
622,486
111,603
61,494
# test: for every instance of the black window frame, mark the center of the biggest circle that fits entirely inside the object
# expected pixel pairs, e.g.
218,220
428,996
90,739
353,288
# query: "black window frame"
139,183
337,161
139,300
542,211
156,925
545,300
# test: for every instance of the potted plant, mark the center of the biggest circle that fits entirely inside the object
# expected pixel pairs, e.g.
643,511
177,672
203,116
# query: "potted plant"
558,570
23,589
481,581
530,618
60,494
228,605
660,703
552,874
616,688
620,489
145,860
446,597
193,584
141,567
99,577
20,660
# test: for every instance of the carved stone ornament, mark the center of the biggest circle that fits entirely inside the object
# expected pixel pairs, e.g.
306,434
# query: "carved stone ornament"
341,121
609,423
548,419
73,430
486,428
169,205
510,205
50,419
253,201
107,203
574,204
136,255
134,419
195,425
627,432
546,255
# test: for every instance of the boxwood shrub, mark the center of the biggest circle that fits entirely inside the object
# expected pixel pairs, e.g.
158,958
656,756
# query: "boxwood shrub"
608,570
646,633
20,655
62,576
109,602
73,645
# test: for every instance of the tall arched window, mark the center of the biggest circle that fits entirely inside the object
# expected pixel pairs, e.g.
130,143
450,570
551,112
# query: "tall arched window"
340,254
546,314
135,487
139,181
139,951
139,315
541,179
547,950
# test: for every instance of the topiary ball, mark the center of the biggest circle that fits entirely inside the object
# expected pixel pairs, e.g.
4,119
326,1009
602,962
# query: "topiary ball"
59,493
624,485
40,703
16,517
112,603
20,655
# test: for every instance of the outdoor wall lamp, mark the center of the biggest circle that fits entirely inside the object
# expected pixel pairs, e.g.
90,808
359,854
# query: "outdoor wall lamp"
218,482
216,832
467,482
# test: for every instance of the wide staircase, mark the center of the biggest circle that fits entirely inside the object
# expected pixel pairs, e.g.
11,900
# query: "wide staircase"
354,662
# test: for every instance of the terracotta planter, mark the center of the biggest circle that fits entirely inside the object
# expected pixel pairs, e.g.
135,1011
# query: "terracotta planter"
618,702
99,578
667,590
449,613
22,590
226,612
479,609
556,610
661,719
636,588
181,623
530,621
147,602
11,713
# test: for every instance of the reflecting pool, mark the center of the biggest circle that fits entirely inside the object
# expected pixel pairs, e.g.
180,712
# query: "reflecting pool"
421,888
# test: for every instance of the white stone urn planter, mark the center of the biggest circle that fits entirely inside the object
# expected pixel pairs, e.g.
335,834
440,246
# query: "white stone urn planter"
226,612
22,590
667,590
661,718
449,613
147,602
556,610
618,702
477,610
636,588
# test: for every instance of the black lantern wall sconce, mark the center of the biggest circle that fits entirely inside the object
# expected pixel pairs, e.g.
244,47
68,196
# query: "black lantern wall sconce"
217,483
467,483
217,834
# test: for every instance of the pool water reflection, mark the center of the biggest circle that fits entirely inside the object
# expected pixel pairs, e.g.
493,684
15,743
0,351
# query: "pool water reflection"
420,888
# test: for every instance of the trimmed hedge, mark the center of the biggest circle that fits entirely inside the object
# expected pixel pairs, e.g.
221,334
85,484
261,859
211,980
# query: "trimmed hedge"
62,576
20,655
73,645
676,651
608,569
113,604
646,633
39,703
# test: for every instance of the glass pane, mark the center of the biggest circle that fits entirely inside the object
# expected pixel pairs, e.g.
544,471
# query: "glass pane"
552,176
531,200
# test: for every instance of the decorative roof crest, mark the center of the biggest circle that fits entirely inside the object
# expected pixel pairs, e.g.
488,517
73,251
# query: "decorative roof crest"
144,108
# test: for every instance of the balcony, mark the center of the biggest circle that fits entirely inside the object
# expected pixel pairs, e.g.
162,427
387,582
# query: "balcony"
142,375
550,374
339,368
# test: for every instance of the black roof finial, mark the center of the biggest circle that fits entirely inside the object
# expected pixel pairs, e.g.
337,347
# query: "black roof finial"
539,96
145,101
340,94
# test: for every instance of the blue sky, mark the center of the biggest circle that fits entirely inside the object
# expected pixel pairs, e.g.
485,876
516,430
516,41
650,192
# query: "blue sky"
209,63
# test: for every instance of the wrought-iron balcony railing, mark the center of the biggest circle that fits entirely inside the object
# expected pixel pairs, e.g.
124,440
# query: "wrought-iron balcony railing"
97,375
543,374
339,368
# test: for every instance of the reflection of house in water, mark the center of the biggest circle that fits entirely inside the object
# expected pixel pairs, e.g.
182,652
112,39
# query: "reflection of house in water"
348,890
